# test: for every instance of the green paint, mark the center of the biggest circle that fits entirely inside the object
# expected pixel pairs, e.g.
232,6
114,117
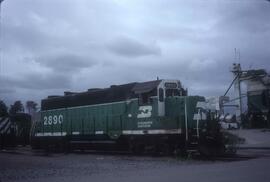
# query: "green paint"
113,118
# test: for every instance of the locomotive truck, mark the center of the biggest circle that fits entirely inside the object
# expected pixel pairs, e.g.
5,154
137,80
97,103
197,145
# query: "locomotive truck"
155,115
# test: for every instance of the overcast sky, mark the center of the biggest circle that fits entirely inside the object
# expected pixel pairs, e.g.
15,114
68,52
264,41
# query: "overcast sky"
51,46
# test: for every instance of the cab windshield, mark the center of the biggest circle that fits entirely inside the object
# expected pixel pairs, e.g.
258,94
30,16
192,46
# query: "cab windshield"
172,92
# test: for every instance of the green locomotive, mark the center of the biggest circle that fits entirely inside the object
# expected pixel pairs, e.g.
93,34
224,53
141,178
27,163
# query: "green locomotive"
156,115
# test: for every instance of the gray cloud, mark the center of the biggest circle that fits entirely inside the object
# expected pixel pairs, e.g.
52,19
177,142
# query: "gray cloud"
248,18
36,81
43,82
4,90
99,43
65,63
17,35
131,48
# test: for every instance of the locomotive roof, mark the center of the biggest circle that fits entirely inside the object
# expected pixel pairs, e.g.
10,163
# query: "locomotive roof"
115,93
145,86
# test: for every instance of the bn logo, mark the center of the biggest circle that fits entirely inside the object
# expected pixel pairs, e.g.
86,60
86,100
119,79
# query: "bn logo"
144,112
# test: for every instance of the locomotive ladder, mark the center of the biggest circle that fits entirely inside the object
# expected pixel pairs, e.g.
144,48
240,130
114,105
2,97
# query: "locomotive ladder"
193,141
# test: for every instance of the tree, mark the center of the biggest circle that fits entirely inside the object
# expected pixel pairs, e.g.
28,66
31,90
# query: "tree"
3,109
16,108
31,107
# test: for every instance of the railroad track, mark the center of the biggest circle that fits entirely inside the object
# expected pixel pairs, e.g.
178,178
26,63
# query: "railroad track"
246,154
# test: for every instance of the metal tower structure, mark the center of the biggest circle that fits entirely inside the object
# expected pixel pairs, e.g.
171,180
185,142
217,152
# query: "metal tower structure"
237,71
257,80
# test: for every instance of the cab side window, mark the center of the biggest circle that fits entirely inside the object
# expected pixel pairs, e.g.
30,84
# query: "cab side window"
161,94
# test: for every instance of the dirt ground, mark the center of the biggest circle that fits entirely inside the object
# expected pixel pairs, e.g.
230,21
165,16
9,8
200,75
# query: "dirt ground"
254,138
23,164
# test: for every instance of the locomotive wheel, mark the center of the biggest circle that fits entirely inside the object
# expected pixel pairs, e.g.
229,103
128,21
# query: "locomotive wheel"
180,152
164,149
139,149
136,148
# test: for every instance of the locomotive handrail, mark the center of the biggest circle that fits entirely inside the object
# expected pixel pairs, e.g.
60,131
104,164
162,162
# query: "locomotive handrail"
186,119
197,127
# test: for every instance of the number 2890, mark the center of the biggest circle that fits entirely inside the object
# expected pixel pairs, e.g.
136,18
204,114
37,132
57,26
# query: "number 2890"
49,120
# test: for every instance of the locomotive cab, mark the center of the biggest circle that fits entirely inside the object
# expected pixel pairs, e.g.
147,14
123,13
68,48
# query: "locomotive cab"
168,88
154,93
